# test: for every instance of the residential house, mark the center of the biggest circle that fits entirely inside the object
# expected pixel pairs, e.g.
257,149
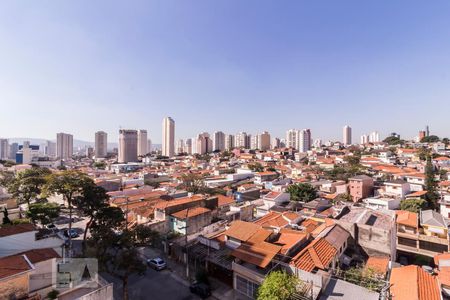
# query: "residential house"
427,237
360,187
190,220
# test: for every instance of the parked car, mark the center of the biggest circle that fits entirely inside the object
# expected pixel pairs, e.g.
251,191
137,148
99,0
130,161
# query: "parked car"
200,289
72,233
156,263
51,226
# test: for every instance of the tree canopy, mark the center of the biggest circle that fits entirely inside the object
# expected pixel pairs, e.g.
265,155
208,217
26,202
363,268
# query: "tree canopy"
26,185
413,204
278,285
45,213
430,139
302,192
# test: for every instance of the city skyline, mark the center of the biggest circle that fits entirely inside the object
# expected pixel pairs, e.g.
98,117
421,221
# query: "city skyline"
287,65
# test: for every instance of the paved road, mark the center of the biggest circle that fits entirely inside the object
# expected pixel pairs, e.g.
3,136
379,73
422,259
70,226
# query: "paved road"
153,285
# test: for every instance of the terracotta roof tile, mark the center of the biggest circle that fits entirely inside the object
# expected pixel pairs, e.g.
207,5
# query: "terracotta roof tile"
412,282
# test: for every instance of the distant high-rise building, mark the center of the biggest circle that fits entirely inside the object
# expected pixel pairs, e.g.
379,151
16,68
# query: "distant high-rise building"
50,149
101,144
149,145
374,137
188,146
168,137
318,143
292,136
347,135
219,141
364,139
422,134
4,149
180,146
142,142
427,130
304,140
276,143
203,143
128,145
254,141
89,151
13,148
229,142
264,141
64,145
241,140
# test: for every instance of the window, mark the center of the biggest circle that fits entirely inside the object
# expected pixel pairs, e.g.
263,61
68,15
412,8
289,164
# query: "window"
246,287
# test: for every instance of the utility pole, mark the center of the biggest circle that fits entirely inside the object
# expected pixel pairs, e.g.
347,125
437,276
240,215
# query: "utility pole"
186,242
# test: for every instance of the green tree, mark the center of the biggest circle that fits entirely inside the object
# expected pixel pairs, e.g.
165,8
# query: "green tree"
90,201
99,165
393,140
446,141
302,192
353,160
69,184
413,204
45,213
145,235
423,153
430,183
278,285
256,167
430,139
116,246
26,185
192,182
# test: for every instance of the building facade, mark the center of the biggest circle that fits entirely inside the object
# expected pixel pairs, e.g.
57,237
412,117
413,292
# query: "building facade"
142,142
128,143
101,144
64,145
168,137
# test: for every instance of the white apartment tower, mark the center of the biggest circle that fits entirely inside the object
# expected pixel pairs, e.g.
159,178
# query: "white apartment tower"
180,146
347,135
264,141
276,143
128,145
304,140
219,141
149,145
229,142
241,140
142,142
374,137
203,143
188,146
168,137
101,144
364,139
292,138
64,145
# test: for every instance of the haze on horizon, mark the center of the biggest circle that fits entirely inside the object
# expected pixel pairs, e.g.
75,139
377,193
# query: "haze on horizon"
83,66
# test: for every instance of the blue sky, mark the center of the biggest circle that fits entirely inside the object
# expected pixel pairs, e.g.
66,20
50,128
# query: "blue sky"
82,66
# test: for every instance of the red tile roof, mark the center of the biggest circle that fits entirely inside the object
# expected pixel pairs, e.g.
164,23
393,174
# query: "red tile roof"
13,265
412,282
190,212
317,255
16,229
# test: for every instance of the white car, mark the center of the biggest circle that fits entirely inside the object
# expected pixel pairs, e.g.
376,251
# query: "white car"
156,263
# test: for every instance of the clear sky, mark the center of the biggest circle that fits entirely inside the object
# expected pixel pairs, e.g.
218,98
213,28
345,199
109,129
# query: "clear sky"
82,66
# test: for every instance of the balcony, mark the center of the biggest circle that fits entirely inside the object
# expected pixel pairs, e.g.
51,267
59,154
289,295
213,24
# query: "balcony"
433,239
